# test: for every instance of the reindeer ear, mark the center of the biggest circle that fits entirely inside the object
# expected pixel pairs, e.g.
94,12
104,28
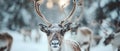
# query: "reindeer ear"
43,28
67,26
111,36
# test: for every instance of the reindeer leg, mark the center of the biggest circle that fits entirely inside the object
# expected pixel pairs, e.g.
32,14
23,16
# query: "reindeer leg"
10,40
10,44
36,39
76,47
24,38
2,48
30,37
118,48
114,48
87,48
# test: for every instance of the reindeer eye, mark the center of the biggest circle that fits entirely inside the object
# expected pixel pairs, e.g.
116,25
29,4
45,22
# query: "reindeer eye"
62,32
48,32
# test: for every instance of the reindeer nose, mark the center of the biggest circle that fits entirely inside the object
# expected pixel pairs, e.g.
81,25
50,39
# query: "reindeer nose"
55,43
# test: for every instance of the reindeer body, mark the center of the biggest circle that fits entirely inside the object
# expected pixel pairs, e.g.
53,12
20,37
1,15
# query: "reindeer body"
70,46
113,39
83,36
25,32
5,42
55,32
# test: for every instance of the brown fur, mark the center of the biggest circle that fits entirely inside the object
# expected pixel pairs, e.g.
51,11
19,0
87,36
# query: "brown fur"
85,31
8,38
75,45
97,38
76,48
60,38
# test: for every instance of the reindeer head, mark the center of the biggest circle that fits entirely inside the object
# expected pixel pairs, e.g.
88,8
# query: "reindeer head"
109,39
54,32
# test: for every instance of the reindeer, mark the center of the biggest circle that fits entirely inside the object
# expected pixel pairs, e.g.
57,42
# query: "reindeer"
37,35
26,33
5,42
82,35
55,32
113,39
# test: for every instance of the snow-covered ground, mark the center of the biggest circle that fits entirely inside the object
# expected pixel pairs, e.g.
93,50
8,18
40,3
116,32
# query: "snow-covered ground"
31,45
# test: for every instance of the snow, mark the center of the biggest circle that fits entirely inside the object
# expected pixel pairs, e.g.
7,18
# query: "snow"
26,15
102,47
42,45
31,45
103,2
20,45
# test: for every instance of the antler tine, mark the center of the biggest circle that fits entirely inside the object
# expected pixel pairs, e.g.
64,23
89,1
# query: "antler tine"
71,13
81,3
36,6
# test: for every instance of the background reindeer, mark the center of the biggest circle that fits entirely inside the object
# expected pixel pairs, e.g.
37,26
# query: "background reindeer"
55,32
79,34
29,33
114,37
83,35
5,42
26,33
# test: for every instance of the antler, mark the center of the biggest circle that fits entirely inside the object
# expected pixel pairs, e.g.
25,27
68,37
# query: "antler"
77,19
71,13
81,4
36,5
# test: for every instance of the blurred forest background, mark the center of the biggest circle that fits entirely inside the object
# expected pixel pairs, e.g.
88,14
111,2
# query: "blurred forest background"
102,16
16,14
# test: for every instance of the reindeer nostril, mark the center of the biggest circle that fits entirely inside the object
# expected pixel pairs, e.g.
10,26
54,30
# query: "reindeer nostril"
57,43
52,43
